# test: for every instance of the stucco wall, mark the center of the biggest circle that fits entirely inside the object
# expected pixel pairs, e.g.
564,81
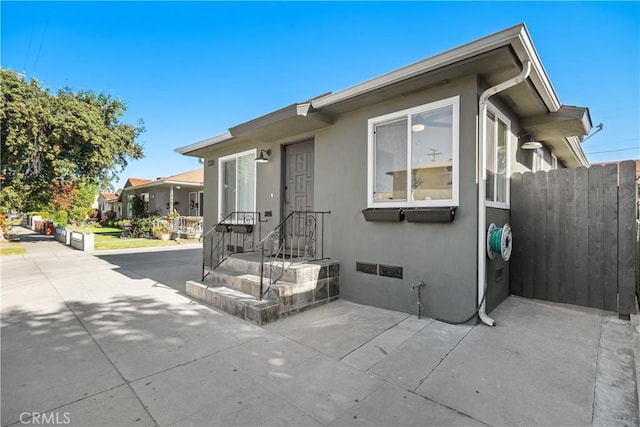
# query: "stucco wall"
442,255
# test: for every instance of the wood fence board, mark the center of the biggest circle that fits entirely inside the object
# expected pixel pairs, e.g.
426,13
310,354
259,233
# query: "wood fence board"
553,236
596,236
540,236
610,242
575,236
626,238
567,228
581,237
528,235
515,267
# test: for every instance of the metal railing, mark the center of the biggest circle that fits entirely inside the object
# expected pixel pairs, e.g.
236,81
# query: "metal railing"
187,226
238,232
298,238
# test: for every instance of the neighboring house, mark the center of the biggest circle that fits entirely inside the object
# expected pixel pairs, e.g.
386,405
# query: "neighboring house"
182,192
349,152
108,202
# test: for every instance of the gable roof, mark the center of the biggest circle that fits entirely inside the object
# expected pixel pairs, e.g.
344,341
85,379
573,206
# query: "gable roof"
193,178
132,182
494,58
109,196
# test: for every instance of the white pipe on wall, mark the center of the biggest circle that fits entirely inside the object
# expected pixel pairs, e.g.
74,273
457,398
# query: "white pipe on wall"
482,186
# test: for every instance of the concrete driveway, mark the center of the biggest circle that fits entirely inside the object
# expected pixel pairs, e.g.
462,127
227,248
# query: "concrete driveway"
111,339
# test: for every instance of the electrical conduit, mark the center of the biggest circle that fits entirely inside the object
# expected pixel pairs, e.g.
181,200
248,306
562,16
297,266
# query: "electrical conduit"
482,185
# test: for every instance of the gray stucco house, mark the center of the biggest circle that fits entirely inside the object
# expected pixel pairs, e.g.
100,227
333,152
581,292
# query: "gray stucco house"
458,120
183,192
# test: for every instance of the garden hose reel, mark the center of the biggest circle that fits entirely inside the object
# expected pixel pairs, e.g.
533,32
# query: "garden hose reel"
499,241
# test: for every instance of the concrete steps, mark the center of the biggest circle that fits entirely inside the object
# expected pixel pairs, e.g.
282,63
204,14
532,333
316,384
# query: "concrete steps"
235,302
234,287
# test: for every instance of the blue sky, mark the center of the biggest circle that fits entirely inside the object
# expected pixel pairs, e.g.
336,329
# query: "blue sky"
191,70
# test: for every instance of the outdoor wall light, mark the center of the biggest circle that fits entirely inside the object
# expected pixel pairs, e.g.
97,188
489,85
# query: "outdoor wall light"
262,158
531,145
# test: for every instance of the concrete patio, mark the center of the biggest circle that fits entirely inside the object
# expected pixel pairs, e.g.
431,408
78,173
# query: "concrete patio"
111,339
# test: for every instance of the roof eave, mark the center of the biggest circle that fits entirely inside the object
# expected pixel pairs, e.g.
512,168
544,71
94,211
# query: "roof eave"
191,149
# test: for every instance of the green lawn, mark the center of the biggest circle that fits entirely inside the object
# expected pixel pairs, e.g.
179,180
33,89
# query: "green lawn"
109,238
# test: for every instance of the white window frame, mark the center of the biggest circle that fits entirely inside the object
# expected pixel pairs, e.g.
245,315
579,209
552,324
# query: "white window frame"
538,160
221,161
502,117
454,102
554,162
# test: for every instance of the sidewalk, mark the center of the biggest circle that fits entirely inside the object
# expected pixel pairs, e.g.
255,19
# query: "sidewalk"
111,339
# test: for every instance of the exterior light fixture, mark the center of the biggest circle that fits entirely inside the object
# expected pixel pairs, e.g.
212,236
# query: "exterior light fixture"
531,145
417,127
261,158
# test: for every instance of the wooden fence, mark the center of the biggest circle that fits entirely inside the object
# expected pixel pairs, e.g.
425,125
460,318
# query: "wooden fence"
574,236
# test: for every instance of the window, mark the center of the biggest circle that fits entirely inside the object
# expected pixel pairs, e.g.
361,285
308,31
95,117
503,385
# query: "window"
498,130
538,160
423,140
237,183
554,162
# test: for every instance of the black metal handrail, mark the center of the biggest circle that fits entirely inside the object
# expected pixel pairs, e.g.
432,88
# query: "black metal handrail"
298,238
235,233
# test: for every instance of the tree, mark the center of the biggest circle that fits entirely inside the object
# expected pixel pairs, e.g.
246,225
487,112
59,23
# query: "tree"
53,143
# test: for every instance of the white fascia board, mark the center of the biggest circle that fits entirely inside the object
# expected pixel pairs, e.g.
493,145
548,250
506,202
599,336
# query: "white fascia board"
574,144
165,182
203,144
185,183
468,50
526,51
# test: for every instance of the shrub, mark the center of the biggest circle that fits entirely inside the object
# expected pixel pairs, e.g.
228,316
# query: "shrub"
60,218
43,214
120,223
142,227
108,218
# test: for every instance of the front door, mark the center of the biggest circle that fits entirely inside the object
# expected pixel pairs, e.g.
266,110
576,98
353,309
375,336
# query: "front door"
298,178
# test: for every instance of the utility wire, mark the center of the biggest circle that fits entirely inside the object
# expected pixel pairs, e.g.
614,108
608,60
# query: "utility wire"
612,151
46,25
26,57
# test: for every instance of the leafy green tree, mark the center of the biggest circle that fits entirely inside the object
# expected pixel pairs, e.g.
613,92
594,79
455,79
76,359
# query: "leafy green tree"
83,198
50,141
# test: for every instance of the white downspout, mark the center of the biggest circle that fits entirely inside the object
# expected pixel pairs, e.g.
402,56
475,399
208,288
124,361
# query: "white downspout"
482,186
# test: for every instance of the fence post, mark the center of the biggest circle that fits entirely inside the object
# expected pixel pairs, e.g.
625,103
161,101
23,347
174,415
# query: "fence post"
626,239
